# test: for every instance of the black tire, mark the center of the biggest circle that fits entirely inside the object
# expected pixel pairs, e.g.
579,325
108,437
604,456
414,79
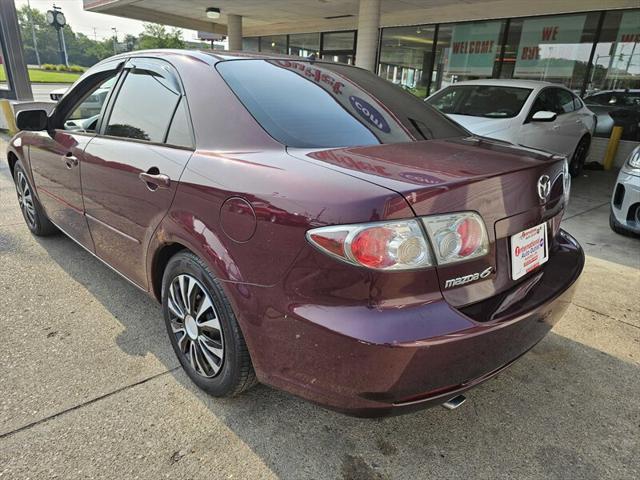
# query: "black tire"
579,156
235,374
32,211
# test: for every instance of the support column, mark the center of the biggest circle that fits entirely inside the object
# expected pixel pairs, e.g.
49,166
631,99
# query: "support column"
234,32
14,64
368,25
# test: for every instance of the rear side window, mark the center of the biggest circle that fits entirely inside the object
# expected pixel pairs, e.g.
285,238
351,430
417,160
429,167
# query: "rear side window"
577,103
312,105
144,107
180,129
491,101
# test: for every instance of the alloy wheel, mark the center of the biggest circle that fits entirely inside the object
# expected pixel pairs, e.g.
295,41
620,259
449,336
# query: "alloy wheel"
25,199
196,326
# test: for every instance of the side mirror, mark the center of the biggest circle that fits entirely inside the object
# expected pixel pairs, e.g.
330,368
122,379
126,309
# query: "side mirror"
544,116
32,120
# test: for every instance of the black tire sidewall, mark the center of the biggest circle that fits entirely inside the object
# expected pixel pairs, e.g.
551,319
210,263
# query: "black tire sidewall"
226,381
37,228
577,163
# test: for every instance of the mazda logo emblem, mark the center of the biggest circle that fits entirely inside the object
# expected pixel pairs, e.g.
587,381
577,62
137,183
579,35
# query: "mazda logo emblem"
544,187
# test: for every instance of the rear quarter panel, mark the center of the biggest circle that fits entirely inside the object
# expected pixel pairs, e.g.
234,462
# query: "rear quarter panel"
287,197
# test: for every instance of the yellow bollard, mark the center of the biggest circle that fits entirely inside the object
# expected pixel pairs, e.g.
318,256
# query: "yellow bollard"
9,116
612,147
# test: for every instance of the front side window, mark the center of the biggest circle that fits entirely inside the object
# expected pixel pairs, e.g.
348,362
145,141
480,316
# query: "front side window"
316,104
564,101
84,116
144,107
546,102
481,100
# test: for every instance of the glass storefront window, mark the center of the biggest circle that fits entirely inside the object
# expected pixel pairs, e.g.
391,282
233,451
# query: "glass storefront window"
251,44
338,40
339,47
616,60
555,48
466,51
273,44
406,57
304,44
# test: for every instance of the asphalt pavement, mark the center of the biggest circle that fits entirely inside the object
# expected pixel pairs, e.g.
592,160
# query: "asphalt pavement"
91,389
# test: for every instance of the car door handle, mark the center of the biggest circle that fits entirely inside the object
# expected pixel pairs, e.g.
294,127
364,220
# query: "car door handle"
70,160
153,181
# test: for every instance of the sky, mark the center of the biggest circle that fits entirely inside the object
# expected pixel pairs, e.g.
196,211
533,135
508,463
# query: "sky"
85,22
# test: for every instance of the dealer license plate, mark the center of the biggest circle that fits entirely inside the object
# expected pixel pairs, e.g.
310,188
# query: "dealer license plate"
529,250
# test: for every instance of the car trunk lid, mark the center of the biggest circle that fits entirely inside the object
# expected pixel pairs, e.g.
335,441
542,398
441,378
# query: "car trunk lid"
495,179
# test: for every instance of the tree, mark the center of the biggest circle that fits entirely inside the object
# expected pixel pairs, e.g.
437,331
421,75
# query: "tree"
157,36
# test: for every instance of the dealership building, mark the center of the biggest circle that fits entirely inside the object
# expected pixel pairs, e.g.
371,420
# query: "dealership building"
424,45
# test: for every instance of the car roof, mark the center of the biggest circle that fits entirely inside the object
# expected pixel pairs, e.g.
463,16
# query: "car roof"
211,56
507,82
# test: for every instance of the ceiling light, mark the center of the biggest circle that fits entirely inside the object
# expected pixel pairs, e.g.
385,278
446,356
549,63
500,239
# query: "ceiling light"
213,13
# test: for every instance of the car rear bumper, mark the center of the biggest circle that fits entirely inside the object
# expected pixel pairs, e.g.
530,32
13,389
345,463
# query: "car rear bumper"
323,362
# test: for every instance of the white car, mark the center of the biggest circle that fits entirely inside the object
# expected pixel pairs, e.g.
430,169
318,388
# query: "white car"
533,114
625,202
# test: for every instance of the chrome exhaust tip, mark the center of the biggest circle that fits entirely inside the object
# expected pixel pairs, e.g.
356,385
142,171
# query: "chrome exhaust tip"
454,402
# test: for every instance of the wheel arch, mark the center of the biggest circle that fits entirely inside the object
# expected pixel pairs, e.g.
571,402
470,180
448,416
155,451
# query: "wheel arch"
161,258
12,158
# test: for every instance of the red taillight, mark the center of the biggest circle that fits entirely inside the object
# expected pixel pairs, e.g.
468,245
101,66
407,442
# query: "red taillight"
403,245
332,242
457,236
371,247
471,235
398,245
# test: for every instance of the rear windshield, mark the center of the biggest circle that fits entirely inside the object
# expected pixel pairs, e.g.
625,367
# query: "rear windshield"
313,105
481,100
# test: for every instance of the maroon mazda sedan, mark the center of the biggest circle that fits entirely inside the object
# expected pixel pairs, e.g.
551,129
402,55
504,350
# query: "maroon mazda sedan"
304,224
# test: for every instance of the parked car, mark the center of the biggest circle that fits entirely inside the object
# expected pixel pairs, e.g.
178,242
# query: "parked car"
608,102
625,202
306,224
533,114
57,93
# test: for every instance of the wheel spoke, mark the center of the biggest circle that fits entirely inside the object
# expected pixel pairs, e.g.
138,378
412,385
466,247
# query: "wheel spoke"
207,344
174,296
210,359
205,305
186,287
192,354
175,308
212,324
183,342
197,354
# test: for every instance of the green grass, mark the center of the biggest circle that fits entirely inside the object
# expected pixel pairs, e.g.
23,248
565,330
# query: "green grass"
45,76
